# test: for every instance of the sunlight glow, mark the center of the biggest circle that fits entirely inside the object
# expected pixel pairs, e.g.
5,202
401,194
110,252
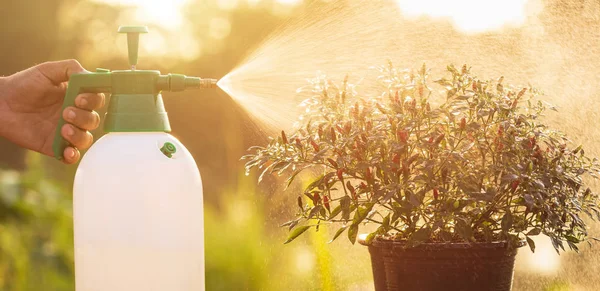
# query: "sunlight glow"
166,14
544,261
289,2
227,4
305,260
470,15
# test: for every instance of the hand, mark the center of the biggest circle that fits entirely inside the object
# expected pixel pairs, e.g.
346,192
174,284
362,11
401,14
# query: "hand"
30,106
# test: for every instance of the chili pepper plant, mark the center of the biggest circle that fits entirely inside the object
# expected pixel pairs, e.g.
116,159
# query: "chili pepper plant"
480,166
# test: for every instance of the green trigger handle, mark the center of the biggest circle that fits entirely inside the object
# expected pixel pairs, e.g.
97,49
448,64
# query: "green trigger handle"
99,82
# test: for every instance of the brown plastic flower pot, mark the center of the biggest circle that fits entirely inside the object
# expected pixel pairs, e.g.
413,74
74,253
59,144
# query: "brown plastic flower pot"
442,266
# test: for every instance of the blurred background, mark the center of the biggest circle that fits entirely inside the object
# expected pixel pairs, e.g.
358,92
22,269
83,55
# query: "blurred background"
209,38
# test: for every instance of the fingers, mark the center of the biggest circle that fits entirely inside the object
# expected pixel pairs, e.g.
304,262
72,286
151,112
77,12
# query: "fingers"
71,155
90,101
88,120
79,138
60,71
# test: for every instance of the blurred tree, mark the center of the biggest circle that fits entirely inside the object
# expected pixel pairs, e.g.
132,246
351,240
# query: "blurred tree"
35,231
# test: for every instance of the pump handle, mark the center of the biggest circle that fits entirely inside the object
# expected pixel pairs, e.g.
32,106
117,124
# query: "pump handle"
78,83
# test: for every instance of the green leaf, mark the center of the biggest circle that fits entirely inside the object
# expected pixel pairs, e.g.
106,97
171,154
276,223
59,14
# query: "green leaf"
463,229
296,232
531,244
413,199
419,237
288,223
572,239
370,238
338,233
534,231
352,233
315,183
315,211
291,178
345,205
507,221
291,224
386,222
268,169
361,213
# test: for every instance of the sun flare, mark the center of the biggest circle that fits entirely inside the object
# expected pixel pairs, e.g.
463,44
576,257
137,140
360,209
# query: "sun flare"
470,16
167,14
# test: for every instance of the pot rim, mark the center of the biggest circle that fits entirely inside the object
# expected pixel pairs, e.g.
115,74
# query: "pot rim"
381,242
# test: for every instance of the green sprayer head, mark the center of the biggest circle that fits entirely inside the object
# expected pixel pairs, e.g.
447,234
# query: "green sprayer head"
136,103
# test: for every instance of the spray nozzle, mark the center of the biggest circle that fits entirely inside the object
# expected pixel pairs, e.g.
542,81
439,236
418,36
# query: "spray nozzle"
177,82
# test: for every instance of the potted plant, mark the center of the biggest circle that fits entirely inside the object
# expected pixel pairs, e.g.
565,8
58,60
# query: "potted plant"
453,189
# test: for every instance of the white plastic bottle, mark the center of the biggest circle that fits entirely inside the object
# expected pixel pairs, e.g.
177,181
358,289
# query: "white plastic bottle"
138,216
137,197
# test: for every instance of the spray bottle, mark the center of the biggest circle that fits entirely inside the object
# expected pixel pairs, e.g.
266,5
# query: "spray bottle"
137,196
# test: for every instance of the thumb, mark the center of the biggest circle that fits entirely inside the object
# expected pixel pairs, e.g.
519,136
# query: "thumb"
60,71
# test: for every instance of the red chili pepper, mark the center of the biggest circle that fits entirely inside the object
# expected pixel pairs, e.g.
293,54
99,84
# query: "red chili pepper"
326,203
405,170
521,93
333,137
439,139
435,193
531,142
284,137
333,163
347,127
350,187
463,123
402,135
514,185
538,153
314,145
340,174
470,136
369,175
316,198
396,159
298,143
444,174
